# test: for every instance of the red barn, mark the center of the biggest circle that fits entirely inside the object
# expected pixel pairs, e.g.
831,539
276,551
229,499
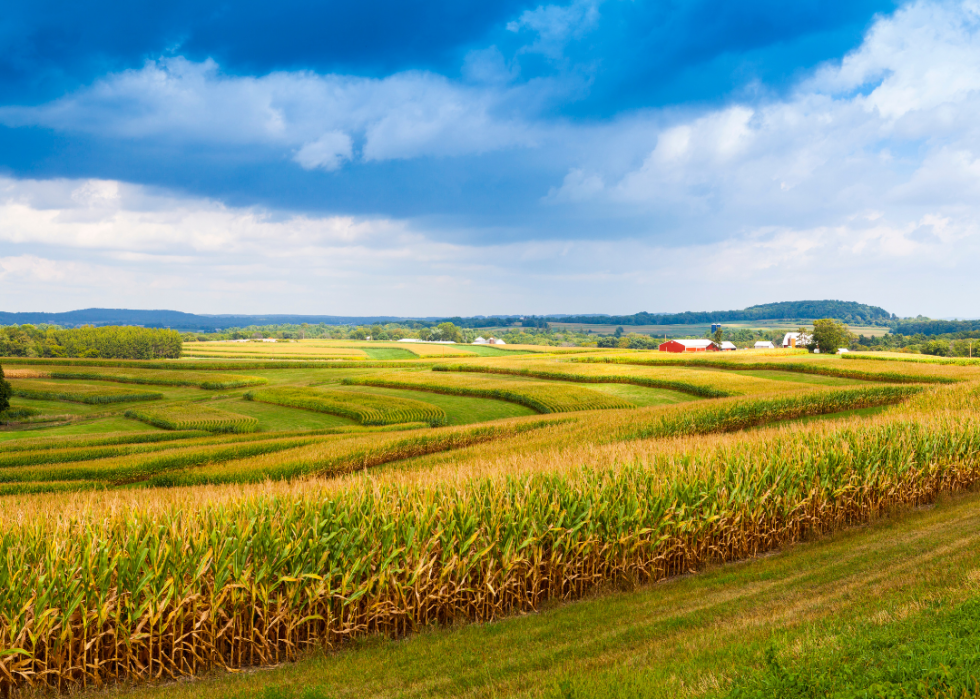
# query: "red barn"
688,346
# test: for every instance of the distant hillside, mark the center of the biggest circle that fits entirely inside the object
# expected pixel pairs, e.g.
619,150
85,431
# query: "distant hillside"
848,311
176,319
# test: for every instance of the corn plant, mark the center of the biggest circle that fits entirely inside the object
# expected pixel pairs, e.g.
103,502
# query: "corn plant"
365,408
542,397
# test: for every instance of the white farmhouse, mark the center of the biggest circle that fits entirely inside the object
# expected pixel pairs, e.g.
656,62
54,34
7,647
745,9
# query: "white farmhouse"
793,340
764,345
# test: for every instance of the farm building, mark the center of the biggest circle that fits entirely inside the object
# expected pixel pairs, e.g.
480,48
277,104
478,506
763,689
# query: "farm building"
727,346
688,346
794,340
495,341
480,341
764,345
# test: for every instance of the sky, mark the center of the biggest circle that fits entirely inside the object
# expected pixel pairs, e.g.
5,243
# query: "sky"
452,157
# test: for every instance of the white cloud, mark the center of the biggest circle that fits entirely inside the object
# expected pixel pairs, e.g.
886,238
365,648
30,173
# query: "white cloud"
327,152
317,117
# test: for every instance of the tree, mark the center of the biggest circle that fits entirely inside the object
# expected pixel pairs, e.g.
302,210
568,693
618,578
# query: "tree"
5,392
719,336
449,332
829,336
619,331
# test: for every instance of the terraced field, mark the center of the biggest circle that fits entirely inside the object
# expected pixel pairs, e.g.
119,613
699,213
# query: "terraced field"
365,408
184,530
194,416
73,392
540,396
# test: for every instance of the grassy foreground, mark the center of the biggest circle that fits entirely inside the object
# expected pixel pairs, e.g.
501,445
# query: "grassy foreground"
885,604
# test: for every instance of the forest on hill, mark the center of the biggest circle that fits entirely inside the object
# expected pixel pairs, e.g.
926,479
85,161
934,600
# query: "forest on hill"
847,311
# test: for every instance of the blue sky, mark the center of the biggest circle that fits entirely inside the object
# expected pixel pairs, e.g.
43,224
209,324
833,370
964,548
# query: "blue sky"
434,158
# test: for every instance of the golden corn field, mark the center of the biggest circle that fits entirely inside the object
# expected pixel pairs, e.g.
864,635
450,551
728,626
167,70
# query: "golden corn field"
133,554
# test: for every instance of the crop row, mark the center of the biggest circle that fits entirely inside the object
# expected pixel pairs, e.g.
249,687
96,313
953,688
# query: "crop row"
335,457
365,408
815,368
163,593
556,375
78,393
917,358
254,460
732,416
137,467
542,397
212,365
194,416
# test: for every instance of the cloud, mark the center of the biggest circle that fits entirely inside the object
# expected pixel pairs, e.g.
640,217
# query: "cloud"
181,102
555,25
862,181
327,152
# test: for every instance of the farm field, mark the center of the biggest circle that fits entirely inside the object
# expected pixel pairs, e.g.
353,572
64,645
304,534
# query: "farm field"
893,585
256,513
344,350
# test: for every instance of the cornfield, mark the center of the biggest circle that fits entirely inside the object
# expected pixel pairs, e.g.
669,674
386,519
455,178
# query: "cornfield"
693,381
194,416
145,592
542,397
79,393
919,358
151,377
365,408
149,555
820,369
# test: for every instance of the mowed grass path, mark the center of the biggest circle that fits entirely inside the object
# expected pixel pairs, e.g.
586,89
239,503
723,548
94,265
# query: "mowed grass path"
850,600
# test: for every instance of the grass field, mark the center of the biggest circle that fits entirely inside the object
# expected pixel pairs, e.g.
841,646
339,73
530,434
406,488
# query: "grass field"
143,542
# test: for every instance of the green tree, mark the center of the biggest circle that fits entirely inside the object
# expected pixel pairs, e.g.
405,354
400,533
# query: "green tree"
719,336
449,332
619,332
829,336
5,392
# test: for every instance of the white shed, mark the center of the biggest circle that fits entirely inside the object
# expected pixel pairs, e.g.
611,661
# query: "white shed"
480,341
764,345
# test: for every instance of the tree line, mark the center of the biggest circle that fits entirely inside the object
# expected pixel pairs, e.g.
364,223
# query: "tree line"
846,311
108,342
